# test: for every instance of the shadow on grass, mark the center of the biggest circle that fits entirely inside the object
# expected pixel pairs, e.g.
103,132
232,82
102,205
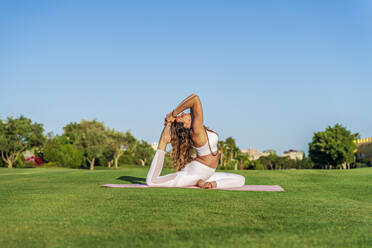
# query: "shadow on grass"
131,179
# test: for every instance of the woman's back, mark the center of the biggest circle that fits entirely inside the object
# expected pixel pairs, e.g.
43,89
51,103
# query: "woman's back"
208,153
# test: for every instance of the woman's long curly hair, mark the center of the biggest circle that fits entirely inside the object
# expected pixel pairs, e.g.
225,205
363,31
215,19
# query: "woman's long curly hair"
182,145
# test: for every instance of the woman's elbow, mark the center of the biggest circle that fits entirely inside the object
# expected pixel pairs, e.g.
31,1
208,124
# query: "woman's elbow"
194,95
149,182
195,98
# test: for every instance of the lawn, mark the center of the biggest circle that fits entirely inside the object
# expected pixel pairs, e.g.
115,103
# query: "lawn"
55,207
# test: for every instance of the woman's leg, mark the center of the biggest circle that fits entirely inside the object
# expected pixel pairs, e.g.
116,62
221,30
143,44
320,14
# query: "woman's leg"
192,173
188,176
226,180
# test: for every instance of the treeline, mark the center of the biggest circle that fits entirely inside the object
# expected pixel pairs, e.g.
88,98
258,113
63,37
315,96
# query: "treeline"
90,143
82,145
231,158
333,148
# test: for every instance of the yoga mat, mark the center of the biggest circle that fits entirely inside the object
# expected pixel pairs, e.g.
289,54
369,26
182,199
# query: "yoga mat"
243,188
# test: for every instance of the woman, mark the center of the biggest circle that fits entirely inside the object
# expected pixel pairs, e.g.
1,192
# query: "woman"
188,132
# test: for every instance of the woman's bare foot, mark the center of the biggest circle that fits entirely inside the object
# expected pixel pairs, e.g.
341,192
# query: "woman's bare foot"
207,185
200,183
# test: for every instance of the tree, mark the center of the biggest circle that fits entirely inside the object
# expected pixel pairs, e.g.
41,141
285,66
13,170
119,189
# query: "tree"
144,153
268,161
89,137
65,155
243,159
114,146
119,141
52,150
228,152
305,163
222,149
130,143
230,147
16,136
333,147
275,162
109,148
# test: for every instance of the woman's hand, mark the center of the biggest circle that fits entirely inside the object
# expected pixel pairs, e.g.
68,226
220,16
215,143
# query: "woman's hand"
169,118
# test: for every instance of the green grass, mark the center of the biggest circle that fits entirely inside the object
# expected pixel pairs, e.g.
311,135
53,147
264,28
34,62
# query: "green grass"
66,208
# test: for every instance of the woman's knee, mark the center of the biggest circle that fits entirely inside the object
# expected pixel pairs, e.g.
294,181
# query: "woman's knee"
241,180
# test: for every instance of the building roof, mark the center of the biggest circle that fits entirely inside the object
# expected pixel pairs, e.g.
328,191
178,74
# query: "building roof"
291,150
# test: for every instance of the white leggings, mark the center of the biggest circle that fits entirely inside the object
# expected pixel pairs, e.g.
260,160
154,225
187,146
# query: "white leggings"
189,175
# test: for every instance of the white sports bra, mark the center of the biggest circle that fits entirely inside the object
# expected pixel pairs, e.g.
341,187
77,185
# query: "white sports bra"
213,142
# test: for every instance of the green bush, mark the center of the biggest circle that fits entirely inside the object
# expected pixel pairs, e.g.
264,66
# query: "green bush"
126,159
50,164
19,162
359,165
27,164
259,166
71,156
229,166
52,151
250,165
2,163
63,155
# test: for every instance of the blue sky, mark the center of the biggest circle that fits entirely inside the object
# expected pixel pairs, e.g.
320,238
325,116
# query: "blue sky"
269,73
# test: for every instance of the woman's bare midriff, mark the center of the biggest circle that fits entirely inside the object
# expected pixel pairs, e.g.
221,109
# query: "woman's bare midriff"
208,160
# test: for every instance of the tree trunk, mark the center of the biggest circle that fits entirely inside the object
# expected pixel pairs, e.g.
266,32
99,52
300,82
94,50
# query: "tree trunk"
221,156
142,162
91,162
10,164
236,166
109,164
241,164
226,159
116,158
10,160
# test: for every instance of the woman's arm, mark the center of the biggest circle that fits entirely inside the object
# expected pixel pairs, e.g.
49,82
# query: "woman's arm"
192,102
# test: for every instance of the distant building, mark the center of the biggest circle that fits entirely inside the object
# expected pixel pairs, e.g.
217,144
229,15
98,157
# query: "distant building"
154,145
363,141
364,150
28,154
268,152
253,154
293,154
